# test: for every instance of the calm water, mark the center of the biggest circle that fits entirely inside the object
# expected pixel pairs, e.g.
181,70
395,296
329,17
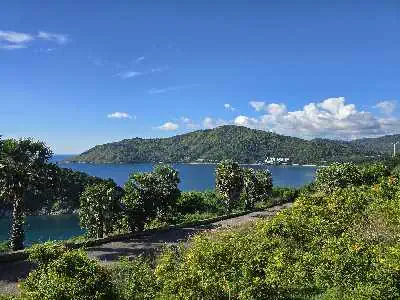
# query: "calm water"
193,177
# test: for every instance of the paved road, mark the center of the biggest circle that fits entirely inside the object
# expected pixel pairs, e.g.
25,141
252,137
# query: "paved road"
148,244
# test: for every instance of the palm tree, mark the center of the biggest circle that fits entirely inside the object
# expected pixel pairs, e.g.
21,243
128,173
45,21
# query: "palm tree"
22,167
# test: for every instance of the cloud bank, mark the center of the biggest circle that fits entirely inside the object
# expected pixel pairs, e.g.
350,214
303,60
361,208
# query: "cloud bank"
330,118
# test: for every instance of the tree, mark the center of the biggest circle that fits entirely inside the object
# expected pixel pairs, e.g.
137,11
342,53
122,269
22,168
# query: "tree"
150,194
22,165
338,175
229,182
257,185
99,208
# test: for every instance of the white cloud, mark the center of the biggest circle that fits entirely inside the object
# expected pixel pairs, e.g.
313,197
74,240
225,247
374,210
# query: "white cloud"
13,46
257,105
229,107
171,88
158,69
386,107
120,115
210,123
246,121
168,126
331,118
54,37
14,40
11,40
128,74
188,123
276,109
140,59
15,37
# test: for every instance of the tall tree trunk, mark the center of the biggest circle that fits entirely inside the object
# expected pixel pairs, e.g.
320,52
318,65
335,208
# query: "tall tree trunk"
17,227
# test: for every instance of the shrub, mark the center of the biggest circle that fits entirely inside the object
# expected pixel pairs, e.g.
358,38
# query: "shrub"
71,276
229,182
341,245
134,279
257,186
396,171
338,176
43,254
4,246
150,194
99,208
283,195
191,202
371,173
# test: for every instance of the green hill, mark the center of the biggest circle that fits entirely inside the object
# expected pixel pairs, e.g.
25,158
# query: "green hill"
383,144
226,142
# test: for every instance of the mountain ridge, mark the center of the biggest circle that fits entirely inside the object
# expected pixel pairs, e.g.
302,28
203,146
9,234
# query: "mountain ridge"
239,143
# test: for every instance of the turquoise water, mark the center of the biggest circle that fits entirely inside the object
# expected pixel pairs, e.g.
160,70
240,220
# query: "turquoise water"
44,228
193,177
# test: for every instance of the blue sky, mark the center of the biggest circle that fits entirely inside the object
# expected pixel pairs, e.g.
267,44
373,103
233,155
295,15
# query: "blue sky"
76,74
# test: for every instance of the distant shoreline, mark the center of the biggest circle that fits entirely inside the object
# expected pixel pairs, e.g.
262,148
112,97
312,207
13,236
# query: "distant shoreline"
191,163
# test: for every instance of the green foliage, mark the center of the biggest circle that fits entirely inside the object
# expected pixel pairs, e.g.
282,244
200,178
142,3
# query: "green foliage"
284,195
191,202
338,176
371,173
225,142
71,276
150,194
99,208
134,280
396,171
257,186
4,246
229,182
43,254
340,245
21,170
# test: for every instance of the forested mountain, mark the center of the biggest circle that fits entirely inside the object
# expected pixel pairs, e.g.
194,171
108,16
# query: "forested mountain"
226,142
383,144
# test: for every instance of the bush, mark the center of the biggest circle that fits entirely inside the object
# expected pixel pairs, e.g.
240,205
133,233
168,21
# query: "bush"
4,246
134,279
284,195
337,176
71,276
43,254
229,182
372,173
192,202
257,186
100,208
396,171
342,245
148,195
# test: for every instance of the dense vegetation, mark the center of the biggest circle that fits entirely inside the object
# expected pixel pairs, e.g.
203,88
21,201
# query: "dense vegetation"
29,183
382,144
338,241
153,199
237,143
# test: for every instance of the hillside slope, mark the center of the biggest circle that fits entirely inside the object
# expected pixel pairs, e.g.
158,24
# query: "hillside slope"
383,144
226,142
